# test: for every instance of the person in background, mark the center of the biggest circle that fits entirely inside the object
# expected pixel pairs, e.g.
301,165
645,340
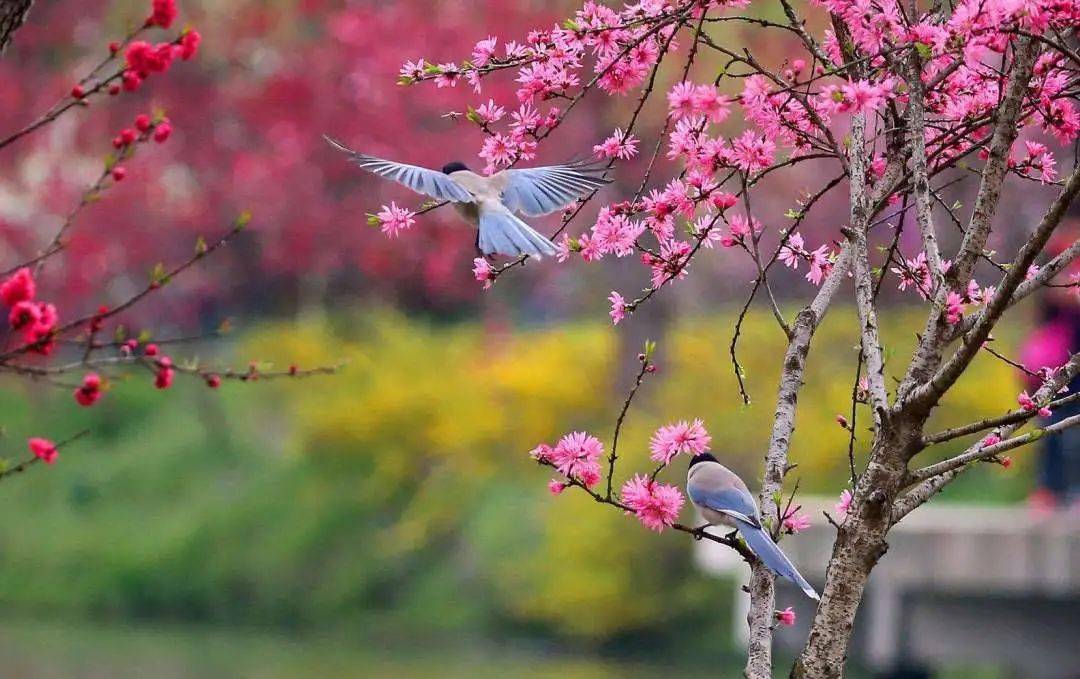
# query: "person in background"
1056,336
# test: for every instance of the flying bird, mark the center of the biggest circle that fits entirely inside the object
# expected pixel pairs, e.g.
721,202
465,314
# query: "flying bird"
725,500
490,203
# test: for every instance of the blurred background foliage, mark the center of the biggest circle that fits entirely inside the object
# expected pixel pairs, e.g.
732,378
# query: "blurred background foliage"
398,495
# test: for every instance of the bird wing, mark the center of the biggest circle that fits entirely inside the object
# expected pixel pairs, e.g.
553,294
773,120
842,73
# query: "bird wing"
420,179
731,501
538,191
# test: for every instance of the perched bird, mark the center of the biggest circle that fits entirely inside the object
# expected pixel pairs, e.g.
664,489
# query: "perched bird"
724,499
489,203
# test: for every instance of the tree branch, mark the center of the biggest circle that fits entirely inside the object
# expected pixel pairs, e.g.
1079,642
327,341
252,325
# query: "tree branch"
933,485
955,366
762,592
929,352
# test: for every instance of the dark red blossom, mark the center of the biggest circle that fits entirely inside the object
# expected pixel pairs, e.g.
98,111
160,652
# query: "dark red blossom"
162,131
144,58
164,378
189,44
23,314
131,80
163,13
18,287
90,391
43,449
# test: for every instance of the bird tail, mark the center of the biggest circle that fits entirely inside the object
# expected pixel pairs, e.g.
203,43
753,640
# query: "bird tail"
774,559
503,233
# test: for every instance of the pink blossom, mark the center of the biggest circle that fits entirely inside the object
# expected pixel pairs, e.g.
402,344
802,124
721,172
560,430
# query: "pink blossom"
752,152
821,263
556,487
708,102
541,453
792,251
721,200
448,75
656,505
915,272
786,617
619,145
483,272
855,97
618,307
740,228
393,219
671,264
990,440
413,70
484,50
1041,159
954,308
796,521
844,505
622,76
681,100
525,121
591,250
563,248
1026,402
499,150
490,112
577,456
615,233
670,440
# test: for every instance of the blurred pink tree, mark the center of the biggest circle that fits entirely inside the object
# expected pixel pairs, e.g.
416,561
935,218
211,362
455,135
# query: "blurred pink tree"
49,334
271,78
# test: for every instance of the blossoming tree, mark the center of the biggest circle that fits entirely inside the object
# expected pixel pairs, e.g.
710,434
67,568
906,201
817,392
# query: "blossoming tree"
894,103
81,352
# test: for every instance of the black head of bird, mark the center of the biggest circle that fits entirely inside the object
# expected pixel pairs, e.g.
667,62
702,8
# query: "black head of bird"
454,166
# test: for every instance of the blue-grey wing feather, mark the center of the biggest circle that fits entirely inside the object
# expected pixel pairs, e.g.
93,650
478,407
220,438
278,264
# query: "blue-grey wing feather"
420,179
542,190
724,500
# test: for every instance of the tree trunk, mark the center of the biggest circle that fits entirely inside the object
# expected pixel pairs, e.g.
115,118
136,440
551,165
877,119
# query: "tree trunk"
860,542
